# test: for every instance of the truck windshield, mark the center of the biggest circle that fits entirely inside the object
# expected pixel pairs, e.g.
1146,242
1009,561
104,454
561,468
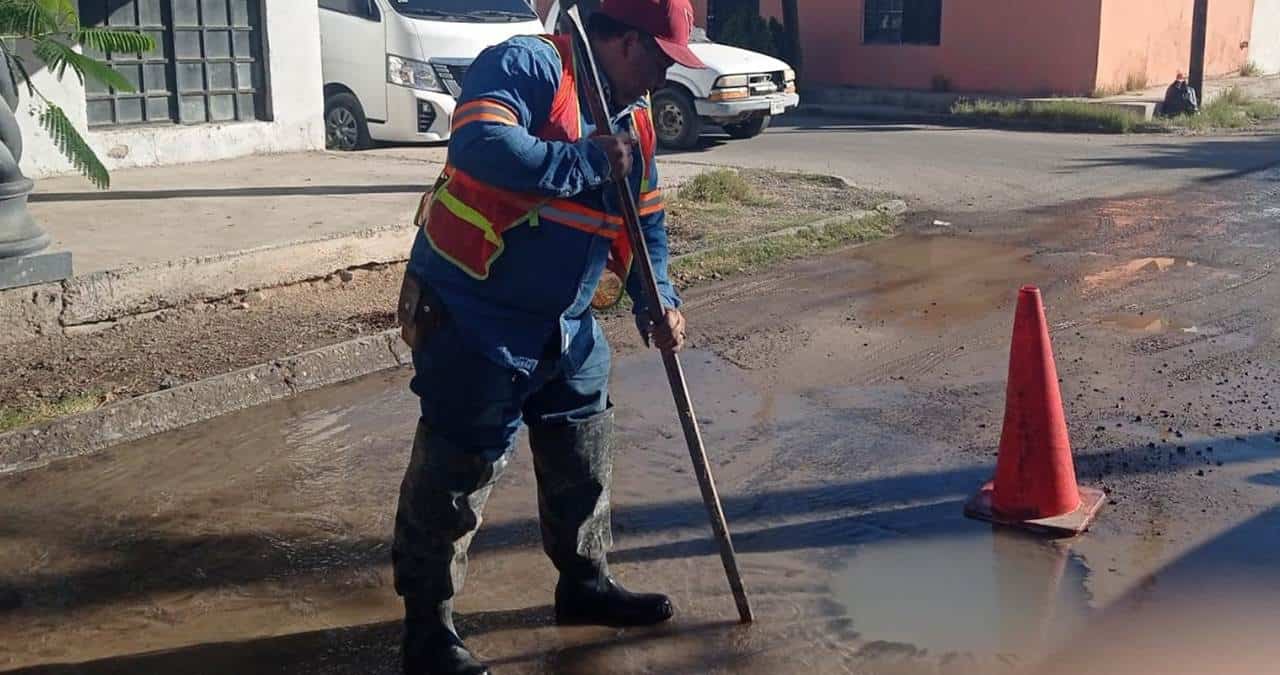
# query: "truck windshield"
466,10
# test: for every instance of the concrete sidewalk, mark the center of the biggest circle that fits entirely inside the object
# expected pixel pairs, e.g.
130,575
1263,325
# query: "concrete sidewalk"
162,214
157,215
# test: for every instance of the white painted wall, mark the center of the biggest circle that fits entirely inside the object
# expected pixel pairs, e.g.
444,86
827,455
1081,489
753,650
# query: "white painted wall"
295,91
1264,44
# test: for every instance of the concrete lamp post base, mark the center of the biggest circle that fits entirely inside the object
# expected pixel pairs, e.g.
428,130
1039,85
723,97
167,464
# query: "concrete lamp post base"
21,239
19,234
29,270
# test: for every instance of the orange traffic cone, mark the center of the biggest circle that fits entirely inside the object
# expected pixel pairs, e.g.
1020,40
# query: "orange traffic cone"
1035,485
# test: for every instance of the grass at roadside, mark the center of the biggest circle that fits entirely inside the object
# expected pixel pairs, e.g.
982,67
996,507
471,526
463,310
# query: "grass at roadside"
13,418
1050,115
722,207
1235,109
721,186
723,223
753,255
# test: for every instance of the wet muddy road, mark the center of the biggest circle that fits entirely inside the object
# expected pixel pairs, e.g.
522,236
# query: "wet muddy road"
851,405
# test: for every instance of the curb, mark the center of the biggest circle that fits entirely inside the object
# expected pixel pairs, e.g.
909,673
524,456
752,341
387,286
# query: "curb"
874,112
110,295
94,301
161,411
886,113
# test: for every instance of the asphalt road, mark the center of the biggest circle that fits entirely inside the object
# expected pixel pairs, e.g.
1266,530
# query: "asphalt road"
968,169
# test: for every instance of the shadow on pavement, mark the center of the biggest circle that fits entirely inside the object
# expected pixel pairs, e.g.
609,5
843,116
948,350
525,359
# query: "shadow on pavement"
1234,157
374,649
209,561
1212,610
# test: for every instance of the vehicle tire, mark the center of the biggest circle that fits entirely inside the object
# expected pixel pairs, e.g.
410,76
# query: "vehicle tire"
750,128
675,120
345,126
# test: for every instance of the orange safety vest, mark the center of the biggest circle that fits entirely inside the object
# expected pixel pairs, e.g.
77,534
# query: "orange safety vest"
465,219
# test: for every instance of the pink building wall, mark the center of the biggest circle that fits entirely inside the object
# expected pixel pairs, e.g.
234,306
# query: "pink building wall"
1033,47
1152,38
1012,46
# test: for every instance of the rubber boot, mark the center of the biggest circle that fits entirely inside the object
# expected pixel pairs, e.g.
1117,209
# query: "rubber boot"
431,644
441,501
574,466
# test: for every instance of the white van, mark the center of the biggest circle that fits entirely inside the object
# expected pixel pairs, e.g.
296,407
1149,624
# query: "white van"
393,68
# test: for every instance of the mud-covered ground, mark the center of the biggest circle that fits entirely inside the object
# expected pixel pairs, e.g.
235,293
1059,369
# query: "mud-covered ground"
850,403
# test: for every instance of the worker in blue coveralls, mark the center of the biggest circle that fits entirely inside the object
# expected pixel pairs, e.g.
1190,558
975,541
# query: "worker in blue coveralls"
519,239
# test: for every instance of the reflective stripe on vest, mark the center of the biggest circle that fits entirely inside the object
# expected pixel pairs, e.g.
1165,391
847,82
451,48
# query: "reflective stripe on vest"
592,223
483,110
650,203
642,122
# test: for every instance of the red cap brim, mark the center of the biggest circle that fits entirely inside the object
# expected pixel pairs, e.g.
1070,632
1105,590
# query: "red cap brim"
679,53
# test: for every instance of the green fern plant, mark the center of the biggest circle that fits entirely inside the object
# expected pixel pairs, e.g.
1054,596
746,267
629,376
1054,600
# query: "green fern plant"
53,29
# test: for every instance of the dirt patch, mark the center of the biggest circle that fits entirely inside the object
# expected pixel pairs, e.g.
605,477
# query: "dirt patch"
758,349
170,348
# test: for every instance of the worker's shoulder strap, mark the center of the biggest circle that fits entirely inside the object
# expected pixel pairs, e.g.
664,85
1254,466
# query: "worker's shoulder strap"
642,122
566,113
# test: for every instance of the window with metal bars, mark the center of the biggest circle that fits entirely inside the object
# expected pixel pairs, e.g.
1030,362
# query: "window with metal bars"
208,66
916,22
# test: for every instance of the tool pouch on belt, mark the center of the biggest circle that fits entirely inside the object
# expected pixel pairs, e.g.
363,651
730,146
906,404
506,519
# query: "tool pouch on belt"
419,311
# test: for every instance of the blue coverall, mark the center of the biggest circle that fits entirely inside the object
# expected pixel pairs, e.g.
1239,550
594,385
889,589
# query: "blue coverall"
525,341
522,344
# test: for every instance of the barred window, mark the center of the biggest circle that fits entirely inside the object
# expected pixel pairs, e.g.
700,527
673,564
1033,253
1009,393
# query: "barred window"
903,22
207,67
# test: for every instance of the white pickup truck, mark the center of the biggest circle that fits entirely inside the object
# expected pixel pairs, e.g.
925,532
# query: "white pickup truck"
740,91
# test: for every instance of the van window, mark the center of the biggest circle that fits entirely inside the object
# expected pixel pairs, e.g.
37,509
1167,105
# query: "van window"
364,8
479,11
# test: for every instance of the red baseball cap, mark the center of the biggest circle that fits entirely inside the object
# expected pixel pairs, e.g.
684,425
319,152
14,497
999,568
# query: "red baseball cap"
669,22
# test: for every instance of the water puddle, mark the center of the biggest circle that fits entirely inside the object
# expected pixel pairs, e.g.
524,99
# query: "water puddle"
1148,323
940,277
1136,268
968,590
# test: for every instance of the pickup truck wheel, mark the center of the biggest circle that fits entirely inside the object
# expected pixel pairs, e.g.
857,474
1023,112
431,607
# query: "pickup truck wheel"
750,128
675,120
345,127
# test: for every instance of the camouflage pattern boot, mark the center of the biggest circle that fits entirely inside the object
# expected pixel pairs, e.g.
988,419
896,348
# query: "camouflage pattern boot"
574,467
441,501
